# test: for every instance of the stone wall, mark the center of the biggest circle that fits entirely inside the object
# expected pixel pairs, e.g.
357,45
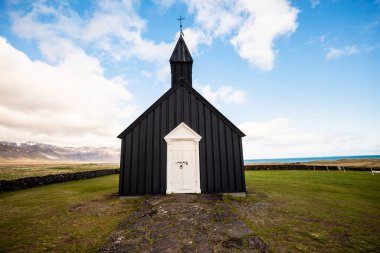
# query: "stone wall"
296,166
28,182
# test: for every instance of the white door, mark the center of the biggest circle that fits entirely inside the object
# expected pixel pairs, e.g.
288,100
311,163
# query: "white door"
183,178
183,160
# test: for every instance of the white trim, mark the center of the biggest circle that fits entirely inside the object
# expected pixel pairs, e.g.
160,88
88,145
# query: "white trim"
174,136
182,133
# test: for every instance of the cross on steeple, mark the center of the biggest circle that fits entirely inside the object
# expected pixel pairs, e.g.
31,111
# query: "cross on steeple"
180,23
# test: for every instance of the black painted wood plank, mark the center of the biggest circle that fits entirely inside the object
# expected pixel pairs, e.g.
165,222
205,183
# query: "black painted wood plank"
242,165
230,160
156,151
172,112
142,158
163,132
216,153
223,157
202,147
186,108
135,160
122,167
128,163
237,165
179,106
209,151
149,154
195,112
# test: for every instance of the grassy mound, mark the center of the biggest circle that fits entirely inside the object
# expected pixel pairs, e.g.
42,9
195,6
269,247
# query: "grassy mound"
75,216
313,211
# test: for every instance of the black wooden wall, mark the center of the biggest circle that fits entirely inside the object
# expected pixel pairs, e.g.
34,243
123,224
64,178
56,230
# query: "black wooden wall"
143,158
181,70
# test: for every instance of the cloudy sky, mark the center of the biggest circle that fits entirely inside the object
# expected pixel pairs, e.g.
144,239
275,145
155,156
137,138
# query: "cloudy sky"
300,78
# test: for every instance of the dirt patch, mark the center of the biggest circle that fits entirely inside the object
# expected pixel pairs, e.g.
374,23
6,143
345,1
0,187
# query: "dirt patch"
184,223
261,212
96,206
92,208
113,195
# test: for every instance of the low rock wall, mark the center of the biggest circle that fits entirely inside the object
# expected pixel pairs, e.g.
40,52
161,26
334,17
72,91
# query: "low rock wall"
295,166
28,182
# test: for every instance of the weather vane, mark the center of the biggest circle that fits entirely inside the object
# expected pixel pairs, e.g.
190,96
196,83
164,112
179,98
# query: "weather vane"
180,24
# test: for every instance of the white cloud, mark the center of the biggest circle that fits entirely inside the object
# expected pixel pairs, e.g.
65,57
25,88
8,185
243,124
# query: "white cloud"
275,132
334,53
251,25
115,29
68,100
71,103
327,42
111,31
268,20
216,17
164,3
224,94
280,137
195,37
314,3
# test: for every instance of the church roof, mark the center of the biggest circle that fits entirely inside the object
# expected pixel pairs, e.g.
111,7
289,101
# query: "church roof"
181,53
182,83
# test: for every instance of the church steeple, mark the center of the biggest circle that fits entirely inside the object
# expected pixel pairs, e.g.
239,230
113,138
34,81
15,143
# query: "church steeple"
181,63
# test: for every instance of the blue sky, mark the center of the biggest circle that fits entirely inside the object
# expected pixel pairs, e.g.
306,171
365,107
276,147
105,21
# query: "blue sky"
300,78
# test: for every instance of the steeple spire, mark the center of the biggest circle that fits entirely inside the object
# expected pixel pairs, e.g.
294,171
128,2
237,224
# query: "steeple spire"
181,63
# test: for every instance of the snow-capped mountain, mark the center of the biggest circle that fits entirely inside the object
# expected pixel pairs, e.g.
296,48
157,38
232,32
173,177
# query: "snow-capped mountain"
32,151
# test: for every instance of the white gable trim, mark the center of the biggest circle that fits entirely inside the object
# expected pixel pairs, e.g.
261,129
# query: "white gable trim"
183,132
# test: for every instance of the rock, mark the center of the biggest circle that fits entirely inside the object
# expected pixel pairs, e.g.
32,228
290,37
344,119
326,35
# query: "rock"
29,182
184,223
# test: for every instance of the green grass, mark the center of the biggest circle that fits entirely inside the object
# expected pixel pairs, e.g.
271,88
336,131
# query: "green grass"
314,211
10,172
300,211
76,216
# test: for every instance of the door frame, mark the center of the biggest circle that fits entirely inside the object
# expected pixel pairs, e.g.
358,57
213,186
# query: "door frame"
182,133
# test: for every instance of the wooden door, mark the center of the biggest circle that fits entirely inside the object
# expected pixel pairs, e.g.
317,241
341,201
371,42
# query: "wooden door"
184,170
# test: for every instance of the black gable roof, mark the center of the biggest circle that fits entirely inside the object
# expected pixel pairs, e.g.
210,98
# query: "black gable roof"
182,83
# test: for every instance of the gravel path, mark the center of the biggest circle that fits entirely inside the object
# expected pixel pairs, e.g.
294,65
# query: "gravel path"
184,223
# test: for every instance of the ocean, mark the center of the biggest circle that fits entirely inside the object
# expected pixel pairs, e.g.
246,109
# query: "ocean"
309,159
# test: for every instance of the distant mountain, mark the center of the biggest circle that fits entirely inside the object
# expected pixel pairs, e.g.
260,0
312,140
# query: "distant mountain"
32,151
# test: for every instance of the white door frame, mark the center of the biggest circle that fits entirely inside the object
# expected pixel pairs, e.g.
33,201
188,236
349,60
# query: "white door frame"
182,133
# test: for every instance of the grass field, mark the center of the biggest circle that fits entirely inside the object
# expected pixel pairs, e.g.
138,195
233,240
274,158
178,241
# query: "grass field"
9,171
314,211
362,163
292,211
75,216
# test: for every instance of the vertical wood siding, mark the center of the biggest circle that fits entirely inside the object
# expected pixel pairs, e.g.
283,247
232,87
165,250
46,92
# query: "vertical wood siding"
181,70
143,161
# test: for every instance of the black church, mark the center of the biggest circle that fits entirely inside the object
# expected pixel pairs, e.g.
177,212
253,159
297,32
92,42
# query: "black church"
182,143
